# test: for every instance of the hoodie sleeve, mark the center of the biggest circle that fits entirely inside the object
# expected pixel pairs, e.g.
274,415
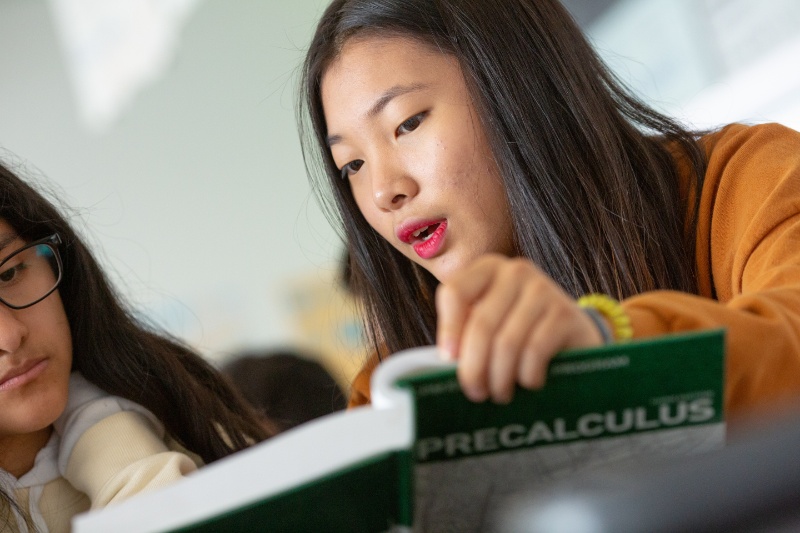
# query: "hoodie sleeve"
748,260
112,448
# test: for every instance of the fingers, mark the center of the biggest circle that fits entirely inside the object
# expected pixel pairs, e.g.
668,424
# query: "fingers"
564,326
510,343
455,299
504,320
484,328
542,345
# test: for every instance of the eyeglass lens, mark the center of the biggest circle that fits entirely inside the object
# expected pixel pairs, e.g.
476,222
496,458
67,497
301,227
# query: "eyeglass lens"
28,275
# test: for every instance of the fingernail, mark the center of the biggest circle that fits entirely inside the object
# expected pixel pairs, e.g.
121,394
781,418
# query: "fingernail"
476,395
503,399
448,351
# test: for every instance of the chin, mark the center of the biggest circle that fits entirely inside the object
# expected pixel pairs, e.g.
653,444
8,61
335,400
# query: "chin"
442,274
444,269
45,415
28,424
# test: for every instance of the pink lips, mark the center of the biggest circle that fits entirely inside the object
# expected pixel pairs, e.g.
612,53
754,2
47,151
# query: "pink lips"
427,242
22,374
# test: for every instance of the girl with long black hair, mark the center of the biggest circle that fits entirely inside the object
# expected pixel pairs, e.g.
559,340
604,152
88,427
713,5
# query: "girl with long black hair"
502,195
95,405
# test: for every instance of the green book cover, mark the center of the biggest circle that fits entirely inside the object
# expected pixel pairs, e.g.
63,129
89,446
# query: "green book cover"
650,399
425,458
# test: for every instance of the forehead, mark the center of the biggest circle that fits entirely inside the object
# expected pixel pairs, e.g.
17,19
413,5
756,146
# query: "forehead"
7,233
368,66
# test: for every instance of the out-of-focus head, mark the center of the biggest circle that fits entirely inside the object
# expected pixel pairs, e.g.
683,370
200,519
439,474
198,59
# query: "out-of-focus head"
286,387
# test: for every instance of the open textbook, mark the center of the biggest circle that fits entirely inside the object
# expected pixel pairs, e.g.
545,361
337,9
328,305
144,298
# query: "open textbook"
425,458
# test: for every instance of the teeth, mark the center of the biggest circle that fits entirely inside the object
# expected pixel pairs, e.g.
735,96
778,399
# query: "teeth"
417,233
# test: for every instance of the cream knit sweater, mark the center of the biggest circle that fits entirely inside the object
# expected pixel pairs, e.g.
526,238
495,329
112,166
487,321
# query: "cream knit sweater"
108,449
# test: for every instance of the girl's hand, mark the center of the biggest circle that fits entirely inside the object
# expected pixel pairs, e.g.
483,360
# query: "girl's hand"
503,319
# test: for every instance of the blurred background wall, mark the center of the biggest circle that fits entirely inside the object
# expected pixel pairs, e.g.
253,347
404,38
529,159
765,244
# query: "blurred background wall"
708,62
195,187
169,128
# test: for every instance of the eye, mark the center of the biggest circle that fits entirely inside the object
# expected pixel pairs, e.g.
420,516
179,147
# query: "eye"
351,168
8,276
411,124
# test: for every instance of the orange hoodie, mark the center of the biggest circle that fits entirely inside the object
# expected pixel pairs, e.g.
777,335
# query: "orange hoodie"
748,266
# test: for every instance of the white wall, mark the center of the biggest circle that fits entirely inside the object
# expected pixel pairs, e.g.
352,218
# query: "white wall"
198,195
709,62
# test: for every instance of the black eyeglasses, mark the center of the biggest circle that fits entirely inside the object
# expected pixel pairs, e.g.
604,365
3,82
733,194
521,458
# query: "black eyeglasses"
31,273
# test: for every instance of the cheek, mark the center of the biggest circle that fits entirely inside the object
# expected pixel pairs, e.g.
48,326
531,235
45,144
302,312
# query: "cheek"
361,196
459,161
54,333
62,331
66,342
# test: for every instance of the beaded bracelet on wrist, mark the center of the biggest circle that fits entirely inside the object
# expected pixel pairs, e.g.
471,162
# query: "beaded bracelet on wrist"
609,315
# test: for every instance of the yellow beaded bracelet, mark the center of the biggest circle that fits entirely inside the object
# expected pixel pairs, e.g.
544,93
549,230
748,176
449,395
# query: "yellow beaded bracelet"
611,311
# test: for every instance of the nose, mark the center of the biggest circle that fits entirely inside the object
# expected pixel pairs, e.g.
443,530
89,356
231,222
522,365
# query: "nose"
12,330
393,186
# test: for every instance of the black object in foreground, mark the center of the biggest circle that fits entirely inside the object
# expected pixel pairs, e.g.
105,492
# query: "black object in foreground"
753,484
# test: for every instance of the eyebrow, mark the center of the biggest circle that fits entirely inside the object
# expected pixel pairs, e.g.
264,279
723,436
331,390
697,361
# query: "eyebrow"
381,103
7,238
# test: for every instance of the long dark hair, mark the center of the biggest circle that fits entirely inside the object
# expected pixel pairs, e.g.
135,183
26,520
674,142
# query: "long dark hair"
10,512
124,356
590,171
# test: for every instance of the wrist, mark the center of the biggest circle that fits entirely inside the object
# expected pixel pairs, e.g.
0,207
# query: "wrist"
609,316
602,325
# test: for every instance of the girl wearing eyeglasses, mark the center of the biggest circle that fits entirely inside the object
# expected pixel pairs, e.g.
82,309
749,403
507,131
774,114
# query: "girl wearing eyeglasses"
95,406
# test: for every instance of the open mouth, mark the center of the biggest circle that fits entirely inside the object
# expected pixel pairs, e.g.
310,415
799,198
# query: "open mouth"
428,241
423,234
